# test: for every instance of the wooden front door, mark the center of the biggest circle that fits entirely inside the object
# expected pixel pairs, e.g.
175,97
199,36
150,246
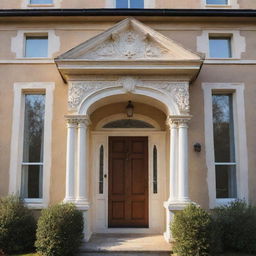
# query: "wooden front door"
128,182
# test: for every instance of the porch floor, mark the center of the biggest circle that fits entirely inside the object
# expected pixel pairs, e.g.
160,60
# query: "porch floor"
126,243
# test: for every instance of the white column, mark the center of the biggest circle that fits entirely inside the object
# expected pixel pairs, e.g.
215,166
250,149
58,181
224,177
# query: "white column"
173,160
70,160
82,182
183,176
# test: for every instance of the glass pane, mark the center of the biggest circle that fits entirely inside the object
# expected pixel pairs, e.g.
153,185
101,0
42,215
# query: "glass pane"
223,127
41,1
217,2
36,47
32,184
226,181
121,3
137,3
101,170
220,47
155,170
128,123
33,128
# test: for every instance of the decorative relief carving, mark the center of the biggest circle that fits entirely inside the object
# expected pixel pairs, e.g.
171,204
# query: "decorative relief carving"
128,83
128,45
78,90
179,91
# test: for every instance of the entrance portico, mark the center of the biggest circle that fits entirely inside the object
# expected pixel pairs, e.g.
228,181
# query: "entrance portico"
127,61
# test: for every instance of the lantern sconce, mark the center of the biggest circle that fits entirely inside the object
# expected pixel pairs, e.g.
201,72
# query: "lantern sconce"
197,147
129,109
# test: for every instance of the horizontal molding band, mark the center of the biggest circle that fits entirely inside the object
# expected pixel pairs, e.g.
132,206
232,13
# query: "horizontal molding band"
129,12
208,62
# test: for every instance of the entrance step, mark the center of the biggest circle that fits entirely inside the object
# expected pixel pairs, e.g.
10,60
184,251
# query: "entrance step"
125,245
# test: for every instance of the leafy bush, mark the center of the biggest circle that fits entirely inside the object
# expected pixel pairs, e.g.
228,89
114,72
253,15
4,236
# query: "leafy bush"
192,231
237,222
60,230
17,226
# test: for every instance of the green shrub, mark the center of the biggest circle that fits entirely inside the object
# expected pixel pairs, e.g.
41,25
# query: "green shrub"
17,226
192,232
237,222
60,230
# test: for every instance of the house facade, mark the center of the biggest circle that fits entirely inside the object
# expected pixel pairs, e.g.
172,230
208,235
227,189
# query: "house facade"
131,110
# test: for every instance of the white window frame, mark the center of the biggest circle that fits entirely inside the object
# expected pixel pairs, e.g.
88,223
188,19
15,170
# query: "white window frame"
237,89
26,4
147,4
20,89
231,4
18,44
238,44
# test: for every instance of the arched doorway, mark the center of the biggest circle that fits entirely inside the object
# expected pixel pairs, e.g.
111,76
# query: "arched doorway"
128,169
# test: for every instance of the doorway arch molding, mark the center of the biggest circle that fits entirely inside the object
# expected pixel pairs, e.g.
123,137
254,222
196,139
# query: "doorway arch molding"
173,94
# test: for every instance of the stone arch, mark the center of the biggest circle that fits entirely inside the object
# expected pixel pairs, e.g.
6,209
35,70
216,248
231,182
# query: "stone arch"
173,95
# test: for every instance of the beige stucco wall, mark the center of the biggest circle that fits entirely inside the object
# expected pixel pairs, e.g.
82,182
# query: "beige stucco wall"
7,4
71,34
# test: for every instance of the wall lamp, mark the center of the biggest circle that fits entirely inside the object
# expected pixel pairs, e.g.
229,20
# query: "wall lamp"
197,147
129,109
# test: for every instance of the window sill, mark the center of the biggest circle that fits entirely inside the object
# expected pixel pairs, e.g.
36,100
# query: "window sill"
40,5
30,60
218,6
224,201
34,203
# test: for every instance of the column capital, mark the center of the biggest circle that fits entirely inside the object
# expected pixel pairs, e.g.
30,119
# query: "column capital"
80,120
178,121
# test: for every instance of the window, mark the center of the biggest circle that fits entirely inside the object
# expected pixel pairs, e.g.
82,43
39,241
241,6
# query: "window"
32,165
220,47
128,123
36,46
31,142
224,146
155,170
41,1
225,142
129,3
217,2
101,169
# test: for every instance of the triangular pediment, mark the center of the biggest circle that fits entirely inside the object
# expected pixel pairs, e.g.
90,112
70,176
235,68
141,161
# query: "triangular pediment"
129,40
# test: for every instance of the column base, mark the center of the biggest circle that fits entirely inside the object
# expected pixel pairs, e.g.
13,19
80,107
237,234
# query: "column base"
87,229
82,205
69,200
172,207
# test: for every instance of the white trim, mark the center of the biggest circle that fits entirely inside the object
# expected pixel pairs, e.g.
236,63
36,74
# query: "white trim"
231,4
27,5
240,140
18,44
99,126
147,3
230,61
99,208
238,43
17,139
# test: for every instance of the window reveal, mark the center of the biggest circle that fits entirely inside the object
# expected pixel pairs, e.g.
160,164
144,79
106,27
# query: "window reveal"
101,170
224,146
155,188
32,164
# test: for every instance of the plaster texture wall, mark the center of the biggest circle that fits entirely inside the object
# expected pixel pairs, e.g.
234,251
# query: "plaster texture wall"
73,33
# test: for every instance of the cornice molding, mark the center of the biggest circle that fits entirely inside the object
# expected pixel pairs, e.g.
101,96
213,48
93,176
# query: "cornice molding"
128,12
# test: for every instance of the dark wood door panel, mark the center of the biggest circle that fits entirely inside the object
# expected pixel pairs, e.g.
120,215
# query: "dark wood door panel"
128,182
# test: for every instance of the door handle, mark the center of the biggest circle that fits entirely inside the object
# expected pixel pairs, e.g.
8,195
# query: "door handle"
105,176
